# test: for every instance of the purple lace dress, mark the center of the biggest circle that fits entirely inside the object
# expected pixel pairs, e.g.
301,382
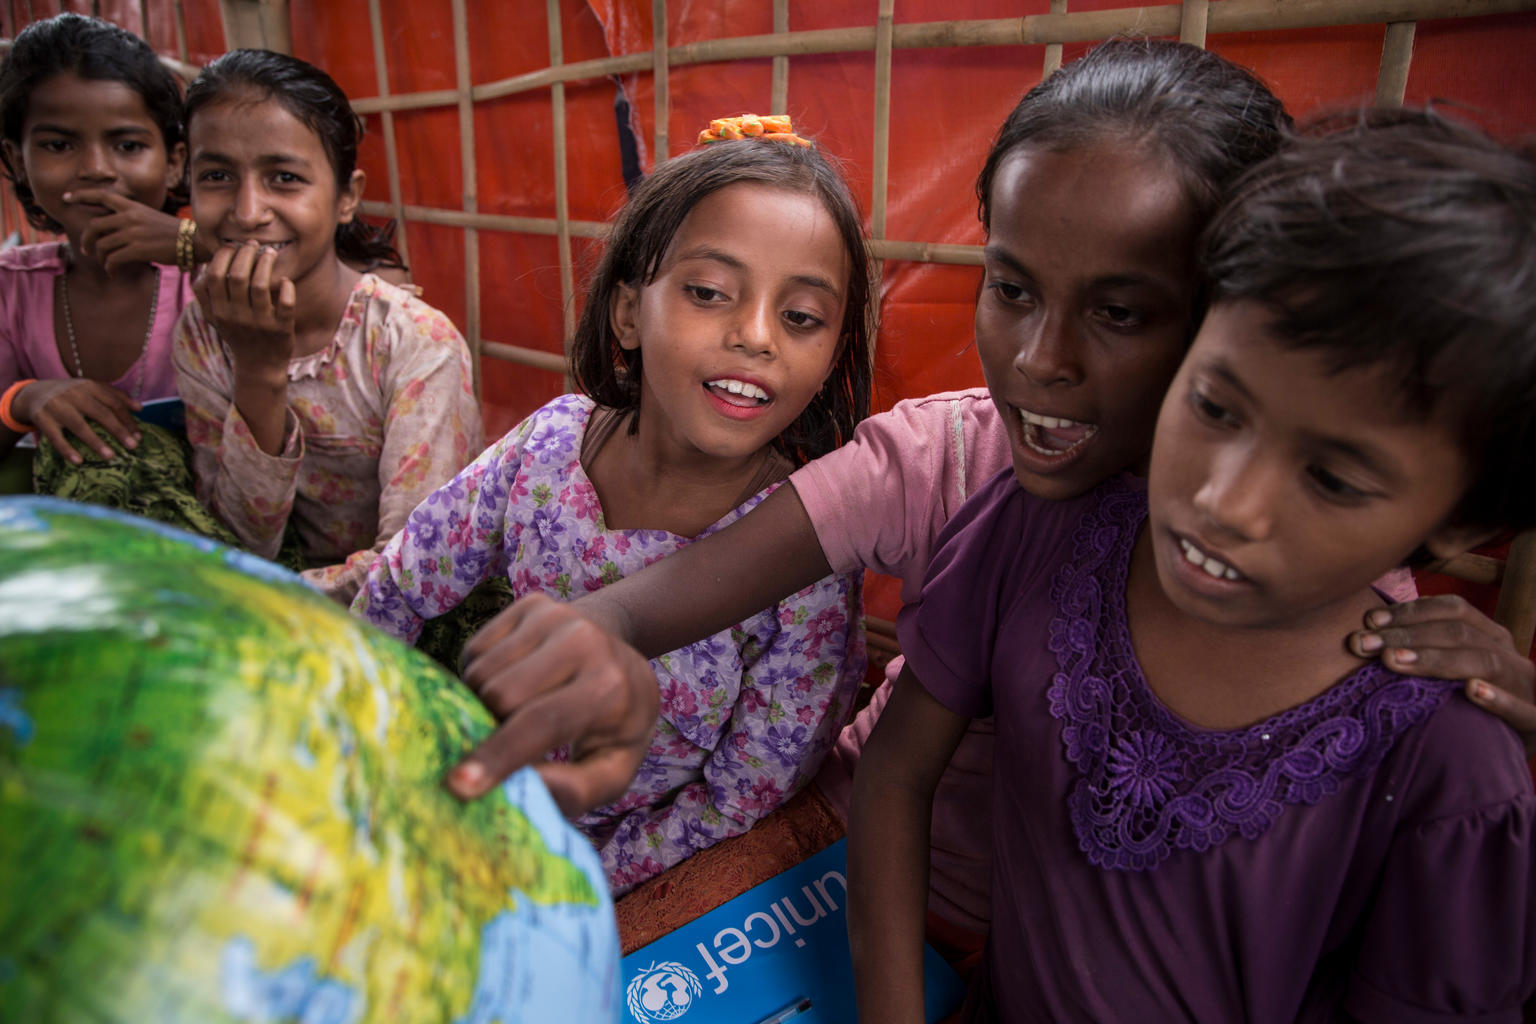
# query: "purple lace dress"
746,715
1367,854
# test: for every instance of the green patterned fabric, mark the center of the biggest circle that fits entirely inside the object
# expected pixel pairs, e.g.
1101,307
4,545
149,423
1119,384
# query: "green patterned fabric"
445,636
153,481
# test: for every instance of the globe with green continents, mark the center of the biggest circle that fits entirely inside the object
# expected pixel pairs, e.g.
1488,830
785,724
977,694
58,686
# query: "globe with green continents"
221,801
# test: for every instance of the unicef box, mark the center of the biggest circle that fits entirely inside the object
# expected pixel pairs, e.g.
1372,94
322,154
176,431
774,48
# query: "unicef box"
777,954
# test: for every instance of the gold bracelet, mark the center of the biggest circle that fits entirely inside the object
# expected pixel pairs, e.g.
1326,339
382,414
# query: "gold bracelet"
186,250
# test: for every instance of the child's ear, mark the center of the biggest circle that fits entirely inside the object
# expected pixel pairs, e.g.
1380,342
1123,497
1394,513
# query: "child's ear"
624,315
350,197
13,161
175,165
1449,541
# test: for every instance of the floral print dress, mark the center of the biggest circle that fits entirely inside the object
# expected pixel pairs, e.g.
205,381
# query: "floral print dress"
376,421
746,714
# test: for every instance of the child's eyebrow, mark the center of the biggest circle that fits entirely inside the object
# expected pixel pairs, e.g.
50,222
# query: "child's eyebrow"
713,255
264,160
995,254
117,132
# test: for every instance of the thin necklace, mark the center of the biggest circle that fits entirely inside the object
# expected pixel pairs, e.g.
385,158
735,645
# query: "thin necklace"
74,349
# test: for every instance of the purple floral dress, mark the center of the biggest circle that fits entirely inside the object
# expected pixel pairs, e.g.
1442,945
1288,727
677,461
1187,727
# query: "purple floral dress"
746,715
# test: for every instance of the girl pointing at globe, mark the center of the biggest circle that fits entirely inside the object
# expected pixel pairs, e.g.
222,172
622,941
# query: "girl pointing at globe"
724,341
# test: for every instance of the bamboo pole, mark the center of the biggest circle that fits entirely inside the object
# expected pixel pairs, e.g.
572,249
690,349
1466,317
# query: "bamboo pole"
1053,50
1193,20
660,81
778,102
486,221
1516,609
1032,30
1396,54
180,22
471,194
536,358
562,207
387,118
882,155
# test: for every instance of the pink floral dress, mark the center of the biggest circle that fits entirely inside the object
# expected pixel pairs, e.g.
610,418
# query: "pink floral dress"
746,715
376,421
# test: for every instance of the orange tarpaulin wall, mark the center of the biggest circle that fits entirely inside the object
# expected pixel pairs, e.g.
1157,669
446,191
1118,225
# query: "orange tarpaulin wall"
945,103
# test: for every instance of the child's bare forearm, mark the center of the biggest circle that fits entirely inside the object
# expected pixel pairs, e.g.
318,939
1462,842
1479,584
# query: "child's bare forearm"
887,895
771,553
888,835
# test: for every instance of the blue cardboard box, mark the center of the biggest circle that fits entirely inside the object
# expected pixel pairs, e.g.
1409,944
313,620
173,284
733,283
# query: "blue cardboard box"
777,954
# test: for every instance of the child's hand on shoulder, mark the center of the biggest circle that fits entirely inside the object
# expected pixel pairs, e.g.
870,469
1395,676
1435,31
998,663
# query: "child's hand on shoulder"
552,677
129,233
1446,637
252,313
58,408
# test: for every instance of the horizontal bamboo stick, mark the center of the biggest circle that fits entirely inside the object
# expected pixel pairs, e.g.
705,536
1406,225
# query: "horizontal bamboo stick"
1036,29
536,358
1473,568
486,221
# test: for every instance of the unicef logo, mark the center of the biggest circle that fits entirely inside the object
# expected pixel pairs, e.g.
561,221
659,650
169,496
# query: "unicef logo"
663,992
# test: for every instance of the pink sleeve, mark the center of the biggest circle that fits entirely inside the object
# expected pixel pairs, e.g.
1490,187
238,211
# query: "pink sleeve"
879,501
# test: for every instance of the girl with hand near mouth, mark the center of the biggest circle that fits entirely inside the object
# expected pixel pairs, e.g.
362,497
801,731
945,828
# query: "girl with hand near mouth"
320,400
91,127
725,340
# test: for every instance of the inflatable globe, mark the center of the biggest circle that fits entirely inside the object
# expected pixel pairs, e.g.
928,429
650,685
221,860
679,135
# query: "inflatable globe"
221,801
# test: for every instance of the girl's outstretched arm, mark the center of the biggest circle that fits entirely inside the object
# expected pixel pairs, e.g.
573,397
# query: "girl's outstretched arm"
762,703
888,837
1445,637
562,681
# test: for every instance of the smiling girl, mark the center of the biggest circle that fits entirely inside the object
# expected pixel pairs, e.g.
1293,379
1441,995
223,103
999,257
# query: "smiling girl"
724,341
90,127
318,398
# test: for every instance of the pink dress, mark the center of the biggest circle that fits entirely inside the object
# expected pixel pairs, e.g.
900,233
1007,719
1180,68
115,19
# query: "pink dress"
29,348
376,421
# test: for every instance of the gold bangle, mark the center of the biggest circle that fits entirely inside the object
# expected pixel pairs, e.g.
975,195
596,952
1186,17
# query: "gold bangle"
186,249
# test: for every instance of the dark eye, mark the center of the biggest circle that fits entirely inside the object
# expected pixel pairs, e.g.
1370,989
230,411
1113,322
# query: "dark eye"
802,319
1332,486
1122,316
287,178
1205,409
213,177
703,293
53,145
1008,291
132,146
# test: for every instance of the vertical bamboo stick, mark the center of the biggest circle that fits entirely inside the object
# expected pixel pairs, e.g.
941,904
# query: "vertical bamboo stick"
660,80
180,21
1053,50
1516,610
391,154
472,333
881,170
562,209
1396,54
1192,20
779,101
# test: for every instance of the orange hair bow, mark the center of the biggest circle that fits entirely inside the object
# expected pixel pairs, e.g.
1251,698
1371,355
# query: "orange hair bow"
772,128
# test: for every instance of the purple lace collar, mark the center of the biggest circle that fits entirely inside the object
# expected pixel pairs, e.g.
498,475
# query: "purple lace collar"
1149,784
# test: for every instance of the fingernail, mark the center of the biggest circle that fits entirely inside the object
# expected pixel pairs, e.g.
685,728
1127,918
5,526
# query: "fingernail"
1480,690
1378,618
467,778
1404,656
133,442
1370,642
68,196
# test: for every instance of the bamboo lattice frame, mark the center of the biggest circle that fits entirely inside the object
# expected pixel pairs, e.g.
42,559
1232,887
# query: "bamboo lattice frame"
1191,21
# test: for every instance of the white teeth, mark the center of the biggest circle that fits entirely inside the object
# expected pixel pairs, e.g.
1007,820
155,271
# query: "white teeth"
1211,566
1048,422
740,387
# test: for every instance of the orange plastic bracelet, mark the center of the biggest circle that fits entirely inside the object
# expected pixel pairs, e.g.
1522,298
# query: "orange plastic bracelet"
6,399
